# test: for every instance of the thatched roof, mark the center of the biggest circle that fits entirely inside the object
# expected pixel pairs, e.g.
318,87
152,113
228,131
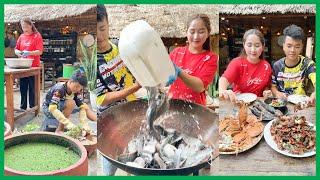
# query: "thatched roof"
39,12
267,9
168,20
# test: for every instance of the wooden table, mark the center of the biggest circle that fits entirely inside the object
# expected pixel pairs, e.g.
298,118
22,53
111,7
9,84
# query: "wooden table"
42,77
10,75
262,159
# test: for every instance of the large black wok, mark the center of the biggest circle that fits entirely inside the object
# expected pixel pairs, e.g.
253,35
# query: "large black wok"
119,124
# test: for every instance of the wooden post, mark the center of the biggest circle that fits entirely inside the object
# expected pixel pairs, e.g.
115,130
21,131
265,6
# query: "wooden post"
42,78
9,97
37,91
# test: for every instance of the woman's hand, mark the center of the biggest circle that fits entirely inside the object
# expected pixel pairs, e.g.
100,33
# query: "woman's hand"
174,77
18,53
26,53
267,93
228,94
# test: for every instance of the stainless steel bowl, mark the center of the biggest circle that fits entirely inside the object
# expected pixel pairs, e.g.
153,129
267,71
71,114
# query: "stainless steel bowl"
18,63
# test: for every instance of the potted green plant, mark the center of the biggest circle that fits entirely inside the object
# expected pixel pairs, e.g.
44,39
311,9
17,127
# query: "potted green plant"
89,64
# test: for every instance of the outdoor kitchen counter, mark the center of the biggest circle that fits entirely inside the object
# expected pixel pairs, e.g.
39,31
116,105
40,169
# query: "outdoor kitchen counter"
262,159
10,75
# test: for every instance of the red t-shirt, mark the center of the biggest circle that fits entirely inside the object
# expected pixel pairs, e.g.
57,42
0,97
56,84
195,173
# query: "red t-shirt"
247,77
31,42
203,66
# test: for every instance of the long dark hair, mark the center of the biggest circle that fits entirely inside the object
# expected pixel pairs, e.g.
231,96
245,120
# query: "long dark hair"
206,21
244,39
28,21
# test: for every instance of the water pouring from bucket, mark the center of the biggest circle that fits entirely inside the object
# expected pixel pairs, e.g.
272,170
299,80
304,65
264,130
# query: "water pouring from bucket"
145,55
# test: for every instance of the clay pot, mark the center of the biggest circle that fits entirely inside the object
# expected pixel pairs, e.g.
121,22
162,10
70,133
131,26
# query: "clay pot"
91,147
7,129
80,168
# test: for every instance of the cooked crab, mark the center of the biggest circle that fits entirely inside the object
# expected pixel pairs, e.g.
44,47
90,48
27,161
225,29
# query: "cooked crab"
243,130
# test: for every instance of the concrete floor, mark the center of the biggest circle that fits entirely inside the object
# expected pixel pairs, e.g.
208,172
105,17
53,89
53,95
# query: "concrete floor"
21,123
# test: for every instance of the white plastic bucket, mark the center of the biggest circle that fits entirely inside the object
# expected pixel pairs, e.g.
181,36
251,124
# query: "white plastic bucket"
145,55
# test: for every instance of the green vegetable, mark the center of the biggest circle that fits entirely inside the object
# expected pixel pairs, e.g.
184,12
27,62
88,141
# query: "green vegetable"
31,127
75,132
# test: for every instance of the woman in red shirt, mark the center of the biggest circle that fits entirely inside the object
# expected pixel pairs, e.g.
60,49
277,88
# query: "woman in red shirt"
29,45
195,64
248,73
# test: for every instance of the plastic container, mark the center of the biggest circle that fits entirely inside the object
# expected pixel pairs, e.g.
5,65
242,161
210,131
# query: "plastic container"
145,55
68,70
19,63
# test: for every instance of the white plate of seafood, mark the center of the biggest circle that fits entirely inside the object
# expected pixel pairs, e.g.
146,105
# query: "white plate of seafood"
246,97
239,134
296,99
265,111
291,136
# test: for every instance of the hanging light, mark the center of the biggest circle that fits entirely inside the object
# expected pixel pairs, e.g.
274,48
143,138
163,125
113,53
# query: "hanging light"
309,31
223,18
261,27
223,34
278,33
263,17
9,24
228,29
15,32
